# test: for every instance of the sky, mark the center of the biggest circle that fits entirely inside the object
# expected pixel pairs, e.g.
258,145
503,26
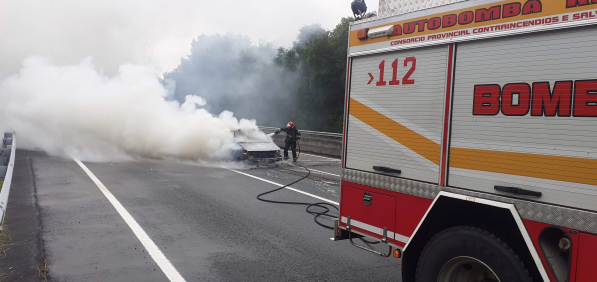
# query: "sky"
153,32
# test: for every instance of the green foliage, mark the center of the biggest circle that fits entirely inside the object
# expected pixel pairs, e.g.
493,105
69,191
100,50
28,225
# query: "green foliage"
287,59
231,73
304,83
320,56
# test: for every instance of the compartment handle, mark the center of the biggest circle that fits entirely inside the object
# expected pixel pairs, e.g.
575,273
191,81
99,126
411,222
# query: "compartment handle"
387,169
517,191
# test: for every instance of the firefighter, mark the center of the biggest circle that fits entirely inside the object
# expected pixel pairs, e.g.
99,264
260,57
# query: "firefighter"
292,135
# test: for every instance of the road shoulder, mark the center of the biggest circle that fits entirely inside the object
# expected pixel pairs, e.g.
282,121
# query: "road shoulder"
21,245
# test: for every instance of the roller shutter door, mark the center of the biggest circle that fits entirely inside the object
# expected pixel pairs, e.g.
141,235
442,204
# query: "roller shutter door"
397,125
524,116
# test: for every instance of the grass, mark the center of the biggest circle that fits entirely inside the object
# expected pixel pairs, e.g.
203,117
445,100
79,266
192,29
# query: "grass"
5,241
1,183
43,271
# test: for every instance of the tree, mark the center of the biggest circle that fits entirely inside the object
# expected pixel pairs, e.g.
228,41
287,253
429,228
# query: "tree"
304,83
322,54
232,74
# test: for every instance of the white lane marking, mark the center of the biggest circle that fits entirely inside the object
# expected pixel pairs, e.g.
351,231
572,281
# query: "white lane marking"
320,157
317,161
289,188
149,245
323,172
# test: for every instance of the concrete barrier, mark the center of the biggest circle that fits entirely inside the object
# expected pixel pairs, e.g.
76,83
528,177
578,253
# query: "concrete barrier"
312,144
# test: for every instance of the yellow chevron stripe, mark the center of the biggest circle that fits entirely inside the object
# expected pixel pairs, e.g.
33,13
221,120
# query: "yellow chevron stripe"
400,133
569,169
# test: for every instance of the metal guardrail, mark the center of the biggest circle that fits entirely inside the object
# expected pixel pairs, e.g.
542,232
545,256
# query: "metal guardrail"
306,132
7,163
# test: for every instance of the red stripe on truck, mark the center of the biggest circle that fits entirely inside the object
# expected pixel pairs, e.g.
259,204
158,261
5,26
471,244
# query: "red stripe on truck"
444,166
346,111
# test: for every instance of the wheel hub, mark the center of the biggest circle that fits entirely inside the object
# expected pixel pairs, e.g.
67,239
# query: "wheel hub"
466,269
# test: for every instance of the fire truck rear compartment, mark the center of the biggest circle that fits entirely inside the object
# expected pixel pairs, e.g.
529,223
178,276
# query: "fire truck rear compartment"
376,209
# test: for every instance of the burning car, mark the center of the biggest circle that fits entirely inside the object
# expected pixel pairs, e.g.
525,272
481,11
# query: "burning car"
254,145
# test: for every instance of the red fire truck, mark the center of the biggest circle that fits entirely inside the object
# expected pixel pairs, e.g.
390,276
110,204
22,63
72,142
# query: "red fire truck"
470,139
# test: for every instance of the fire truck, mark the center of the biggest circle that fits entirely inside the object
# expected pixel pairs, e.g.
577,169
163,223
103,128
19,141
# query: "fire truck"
470,139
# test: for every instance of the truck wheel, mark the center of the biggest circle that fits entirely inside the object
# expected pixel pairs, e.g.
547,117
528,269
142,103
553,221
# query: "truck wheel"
469,254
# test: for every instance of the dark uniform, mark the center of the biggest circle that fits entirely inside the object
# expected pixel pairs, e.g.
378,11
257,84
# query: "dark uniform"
292,135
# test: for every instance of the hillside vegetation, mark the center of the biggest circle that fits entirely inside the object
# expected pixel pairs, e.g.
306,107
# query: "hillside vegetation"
304,83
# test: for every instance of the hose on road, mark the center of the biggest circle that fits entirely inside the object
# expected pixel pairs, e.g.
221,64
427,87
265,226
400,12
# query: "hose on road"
324,206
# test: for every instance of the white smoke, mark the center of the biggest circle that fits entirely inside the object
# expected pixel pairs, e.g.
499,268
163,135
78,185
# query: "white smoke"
77,110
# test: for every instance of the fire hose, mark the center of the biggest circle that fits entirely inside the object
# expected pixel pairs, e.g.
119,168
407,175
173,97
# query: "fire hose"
325,206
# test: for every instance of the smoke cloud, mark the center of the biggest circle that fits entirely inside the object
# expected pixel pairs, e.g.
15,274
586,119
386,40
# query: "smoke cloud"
145,31
120,104
232,73
77,110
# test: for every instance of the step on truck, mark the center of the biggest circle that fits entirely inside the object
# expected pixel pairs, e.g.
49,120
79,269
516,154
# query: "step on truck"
470,139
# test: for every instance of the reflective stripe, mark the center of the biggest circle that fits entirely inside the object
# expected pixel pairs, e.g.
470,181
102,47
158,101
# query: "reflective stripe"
401,238
376,230
398,132
559,168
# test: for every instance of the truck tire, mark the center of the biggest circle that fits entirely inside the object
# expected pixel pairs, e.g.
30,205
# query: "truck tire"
469,254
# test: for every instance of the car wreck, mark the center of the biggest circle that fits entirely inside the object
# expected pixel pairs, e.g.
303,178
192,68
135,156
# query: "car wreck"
255,146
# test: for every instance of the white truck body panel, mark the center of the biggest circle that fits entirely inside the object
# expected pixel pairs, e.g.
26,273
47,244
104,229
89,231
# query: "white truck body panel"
417,107
565,55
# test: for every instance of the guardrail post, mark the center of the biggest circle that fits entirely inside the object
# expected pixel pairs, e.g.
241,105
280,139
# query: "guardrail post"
7,156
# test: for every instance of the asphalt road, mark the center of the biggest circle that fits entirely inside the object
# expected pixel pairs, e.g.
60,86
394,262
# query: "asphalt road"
204,219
